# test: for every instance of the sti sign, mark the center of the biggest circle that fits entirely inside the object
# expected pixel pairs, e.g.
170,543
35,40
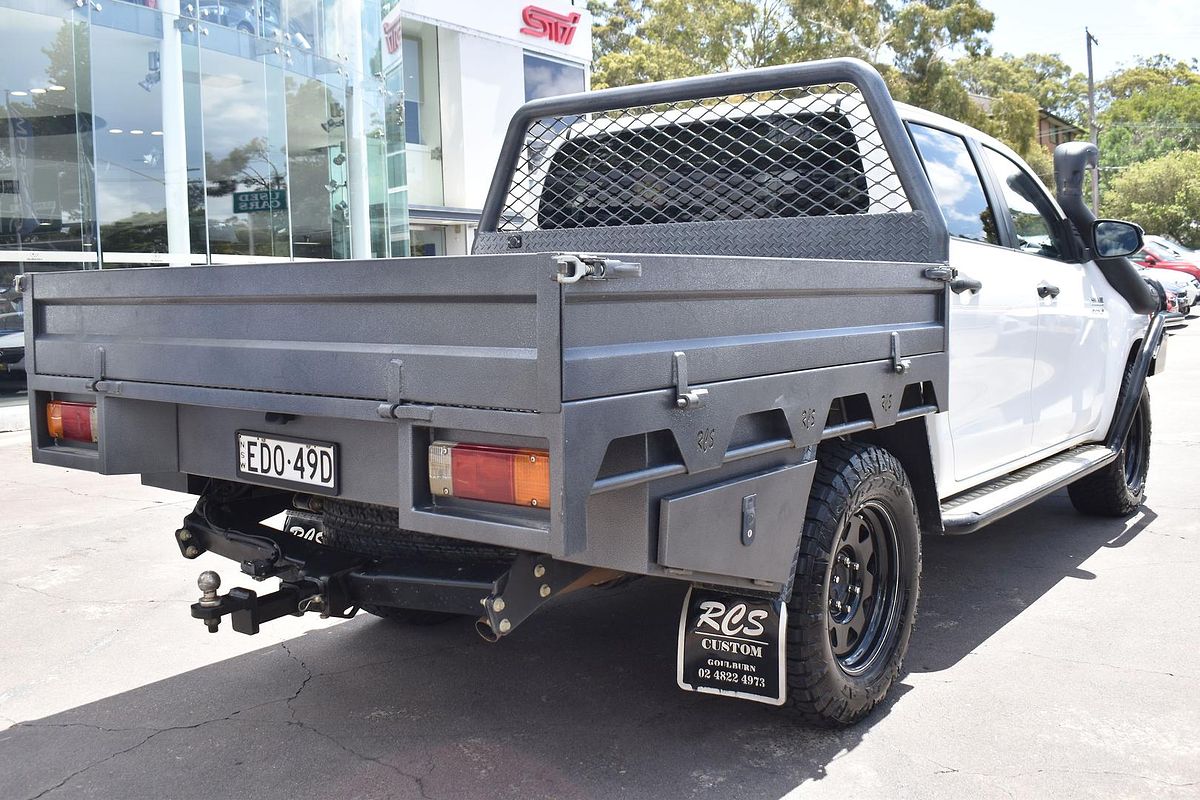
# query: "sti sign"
554,27
543,24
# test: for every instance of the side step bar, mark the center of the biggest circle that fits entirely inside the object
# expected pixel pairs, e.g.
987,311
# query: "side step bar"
971,510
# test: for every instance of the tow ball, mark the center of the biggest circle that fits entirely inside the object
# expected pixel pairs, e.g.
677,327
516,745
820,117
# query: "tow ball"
247,611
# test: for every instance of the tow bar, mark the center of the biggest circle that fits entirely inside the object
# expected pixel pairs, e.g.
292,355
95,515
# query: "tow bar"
336,583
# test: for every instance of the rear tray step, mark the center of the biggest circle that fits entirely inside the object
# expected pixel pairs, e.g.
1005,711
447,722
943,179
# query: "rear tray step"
971,510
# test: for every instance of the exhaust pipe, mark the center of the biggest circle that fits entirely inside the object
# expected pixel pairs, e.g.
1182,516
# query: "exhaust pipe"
1070,162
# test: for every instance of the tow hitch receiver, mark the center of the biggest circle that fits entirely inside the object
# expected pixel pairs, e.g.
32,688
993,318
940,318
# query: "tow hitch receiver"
335,583
248,611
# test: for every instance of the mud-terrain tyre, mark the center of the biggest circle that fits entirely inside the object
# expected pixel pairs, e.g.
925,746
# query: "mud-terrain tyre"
371,530
1119,488
854,601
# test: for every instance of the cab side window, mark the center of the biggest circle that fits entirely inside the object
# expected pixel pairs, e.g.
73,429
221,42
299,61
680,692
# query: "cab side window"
956,184
1037,226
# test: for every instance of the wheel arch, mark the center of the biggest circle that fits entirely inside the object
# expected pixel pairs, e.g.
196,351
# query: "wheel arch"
908,441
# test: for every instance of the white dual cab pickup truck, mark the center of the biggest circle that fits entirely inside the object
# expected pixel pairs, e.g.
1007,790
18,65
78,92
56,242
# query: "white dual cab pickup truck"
754,333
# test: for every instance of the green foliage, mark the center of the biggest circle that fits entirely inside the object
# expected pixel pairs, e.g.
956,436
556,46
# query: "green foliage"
1013,120
1157,120
1148,73
644,40
651,40
1045,77
1162,195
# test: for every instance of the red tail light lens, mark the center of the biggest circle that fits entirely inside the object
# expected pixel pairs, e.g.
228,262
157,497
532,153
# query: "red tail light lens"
518,476
74,422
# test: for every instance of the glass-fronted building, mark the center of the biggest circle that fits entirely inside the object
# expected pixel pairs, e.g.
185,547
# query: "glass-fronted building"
173,132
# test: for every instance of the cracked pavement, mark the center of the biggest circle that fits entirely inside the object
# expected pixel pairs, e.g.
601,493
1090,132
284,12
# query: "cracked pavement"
1054,656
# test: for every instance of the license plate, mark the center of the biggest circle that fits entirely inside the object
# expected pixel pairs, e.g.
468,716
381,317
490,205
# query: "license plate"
291,463
733,645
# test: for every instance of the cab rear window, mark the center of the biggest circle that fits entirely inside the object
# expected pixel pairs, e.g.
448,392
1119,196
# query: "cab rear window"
749,167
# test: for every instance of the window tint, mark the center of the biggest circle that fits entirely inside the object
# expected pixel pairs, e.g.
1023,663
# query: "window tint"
956,184
1033,218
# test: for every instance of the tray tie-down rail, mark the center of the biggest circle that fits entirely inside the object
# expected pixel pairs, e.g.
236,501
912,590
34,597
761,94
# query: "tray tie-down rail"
336,583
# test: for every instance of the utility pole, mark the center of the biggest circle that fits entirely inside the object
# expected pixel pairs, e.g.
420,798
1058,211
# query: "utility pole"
1092,122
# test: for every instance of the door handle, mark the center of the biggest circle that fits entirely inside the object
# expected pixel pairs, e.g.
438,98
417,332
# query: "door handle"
1047,290
965,283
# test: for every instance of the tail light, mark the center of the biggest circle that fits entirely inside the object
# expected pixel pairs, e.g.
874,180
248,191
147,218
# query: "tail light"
514,475
75,422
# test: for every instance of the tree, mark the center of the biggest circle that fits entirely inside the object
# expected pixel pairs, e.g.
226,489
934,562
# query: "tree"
921,36
1162,195
643,40
1148,73
1161,118
651,40
1045,77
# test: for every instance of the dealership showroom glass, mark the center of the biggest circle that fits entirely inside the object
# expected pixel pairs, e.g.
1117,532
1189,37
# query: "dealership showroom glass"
176,132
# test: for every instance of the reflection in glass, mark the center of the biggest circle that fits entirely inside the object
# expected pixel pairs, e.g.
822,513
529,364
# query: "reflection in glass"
222,134
547,78
45,136
1115,238
1028,206
241,156
130,184
956,184
317,167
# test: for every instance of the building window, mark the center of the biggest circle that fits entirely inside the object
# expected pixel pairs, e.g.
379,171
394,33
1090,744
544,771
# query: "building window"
422,113
547,78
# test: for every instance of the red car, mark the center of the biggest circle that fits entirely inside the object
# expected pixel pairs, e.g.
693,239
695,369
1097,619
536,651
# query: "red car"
1161,254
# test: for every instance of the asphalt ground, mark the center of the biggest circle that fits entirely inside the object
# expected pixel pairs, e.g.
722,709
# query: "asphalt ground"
1055,656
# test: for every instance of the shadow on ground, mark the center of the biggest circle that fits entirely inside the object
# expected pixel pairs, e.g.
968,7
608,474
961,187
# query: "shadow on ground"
580,702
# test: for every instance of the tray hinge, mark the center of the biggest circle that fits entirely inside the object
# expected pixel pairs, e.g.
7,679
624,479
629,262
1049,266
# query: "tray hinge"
944,274
574,268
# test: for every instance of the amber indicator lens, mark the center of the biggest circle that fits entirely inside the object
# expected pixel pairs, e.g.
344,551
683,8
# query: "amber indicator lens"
72,422
513,475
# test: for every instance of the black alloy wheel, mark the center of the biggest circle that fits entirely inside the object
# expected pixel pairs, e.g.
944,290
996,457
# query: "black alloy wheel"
863,587
1134,453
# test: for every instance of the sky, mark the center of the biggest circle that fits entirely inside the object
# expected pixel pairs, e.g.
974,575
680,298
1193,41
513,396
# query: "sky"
1126,29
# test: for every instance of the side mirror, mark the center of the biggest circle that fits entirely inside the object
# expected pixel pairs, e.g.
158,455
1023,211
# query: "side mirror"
1115,238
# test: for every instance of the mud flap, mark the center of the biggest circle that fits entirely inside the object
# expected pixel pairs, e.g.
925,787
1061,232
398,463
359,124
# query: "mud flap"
733,645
